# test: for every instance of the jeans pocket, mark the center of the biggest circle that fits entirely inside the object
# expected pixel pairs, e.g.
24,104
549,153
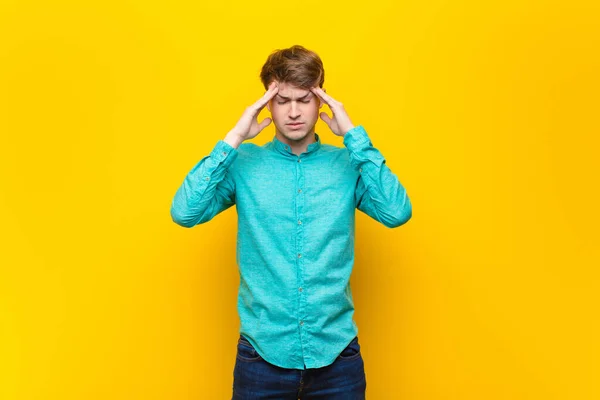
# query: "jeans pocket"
352,351
246,352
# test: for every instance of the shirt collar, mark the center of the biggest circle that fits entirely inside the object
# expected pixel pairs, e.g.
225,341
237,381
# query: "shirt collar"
284,148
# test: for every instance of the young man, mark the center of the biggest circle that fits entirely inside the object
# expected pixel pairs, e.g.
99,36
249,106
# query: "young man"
296,200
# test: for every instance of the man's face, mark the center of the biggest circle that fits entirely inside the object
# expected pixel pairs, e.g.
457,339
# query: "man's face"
294,111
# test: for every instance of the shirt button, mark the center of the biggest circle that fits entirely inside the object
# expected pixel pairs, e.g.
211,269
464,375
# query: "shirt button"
207,178
360,170
299,289
301,322
299,222
299,255
299,190
224,153
299,160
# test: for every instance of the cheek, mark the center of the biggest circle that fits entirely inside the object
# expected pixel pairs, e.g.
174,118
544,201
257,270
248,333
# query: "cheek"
313,111
277,112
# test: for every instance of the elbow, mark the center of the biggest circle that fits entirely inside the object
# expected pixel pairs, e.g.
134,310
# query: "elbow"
181,219
401,217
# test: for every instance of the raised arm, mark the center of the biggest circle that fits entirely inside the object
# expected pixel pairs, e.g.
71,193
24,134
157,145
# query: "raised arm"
209,188
379,193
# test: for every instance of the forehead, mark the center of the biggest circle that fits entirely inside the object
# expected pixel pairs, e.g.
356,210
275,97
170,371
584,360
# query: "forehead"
288,90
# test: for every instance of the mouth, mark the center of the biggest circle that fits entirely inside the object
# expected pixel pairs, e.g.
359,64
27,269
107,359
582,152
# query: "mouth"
295,124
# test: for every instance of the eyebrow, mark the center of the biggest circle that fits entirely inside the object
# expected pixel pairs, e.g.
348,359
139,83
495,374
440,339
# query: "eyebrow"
299,98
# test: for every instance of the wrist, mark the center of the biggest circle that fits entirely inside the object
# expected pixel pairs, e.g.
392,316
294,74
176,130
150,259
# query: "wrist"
347,129
233,139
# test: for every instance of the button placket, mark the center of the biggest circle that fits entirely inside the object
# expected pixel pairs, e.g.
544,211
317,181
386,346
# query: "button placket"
299,252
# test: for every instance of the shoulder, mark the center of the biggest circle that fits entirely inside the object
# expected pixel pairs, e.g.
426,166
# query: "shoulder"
249,150
339,153
248,153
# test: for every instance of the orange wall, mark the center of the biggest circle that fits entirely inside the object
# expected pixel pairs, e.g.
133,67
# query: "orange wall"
487,111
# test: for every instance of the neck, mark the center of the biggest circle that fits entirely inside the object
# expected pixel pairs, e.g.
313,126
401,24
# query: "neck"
298,146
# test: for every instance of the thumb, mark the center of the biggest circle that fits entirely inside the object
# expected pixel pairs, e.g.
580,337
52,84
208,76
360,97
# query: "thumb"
264,123
325,118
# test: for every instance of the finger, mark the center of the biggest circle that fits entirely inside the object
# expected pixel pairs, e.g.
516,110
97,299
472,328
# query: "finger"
262,102
326,98
316,92
325,118
264,123
273,88
273,85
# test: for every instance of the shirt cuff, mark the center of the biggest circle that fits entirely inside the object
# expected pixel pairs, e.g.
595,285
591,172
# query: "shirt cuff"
223,152
356,138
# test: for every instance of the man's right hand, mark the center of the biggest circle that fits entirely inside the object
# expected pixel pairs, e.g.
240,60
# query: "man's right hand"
248,127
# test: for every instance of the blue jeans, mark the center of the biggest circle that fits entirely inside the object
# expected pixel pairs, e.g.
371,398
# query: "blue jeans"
255,378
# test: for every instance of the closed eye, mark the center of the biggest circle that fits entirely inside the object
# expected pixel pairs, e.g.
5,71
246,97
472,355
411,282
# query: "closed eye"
285,101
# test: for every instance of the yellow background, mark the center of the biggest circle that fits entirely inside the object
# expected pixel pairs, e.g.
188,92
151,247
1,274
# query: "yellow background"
488,112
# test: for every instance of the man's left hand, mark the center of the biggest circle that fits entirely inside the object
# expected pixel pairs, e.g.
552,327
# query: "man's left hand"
340,123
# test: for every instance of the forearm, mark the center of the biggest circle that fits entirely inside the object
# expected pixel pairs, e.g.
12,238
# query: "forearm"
380,193
205,192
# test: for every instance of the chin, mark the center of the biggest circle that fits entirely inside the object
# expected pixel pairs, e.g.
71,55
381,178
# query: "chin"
297,134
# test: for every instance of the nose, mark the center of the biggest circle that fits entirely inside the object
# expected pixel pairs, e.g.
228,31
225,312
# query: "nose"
294,110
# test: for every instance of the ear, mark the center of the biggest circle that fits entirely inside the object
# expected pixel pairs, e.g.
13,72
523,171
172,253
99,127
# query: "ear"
269,105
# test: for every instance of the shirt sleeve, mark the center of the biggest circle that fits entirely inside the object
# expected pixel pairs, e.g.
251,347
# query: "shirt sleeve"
208,188
379,193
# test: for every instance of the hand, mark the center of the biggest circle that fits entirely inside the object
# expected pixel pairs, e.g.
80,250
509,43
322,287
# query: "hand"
340,124
248,127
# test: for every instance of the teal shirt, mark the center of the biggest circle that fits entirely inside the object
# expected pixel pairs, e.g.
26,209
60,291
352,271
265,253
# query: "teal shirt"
295,241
